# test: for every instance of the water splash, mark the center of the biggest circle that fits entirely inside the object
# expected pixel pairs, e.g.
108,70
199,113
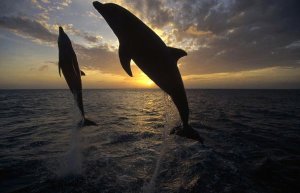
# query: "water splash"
72,161
151,186
73,156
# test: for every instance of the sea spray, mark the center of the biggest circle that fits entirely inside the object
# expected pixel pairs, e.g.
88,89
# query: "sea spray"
150,187
72,161
73,156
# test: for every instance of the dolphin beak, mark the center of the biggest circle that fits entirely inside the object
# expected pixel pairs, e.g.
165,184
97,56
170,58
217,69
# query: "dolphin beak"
98,5
60,30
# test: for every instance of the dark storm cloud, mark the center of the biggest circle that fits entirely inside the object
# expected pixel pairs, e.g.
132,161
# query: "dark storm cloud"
251,35
28,28
220,15
241,34
243,49
155,11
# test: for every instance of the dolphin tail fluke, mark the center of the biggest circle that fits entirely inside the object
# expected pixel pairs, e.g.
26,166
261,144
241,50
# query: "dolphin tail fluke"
188,132
86,122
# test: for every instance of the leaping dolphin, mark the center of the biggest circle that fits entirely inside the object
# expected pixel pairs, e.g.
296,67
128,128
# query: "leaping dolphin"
69,66
140,44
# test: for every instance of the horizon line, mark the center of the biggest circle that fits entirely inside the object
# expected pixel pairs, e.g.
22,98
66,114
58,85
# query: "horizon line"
151,89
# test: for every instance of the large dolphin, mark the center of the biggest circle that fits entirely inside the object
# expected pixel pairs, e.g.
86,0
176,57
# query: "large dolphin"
69,66
158,61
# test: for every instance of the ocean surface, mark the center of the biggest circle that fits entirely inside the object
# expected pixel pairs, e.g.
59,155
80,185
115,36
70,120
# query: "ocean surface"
252,142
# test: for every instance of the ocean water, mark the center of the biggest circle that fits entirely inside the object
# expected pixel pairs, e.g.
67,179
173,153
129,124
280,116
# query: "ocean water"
252,142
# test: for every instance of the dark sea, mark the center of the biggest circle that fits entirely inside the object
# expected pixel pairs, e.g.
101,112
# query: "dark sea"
252,142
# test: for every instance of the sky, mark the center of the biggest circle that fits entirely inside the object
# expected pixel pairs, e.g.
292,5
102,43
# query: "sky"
231,44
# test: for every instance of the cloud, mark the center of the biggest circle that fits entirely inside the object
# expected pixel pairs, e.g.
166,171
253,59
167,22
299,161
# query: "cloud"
71,30
156,11
43,68
51,5
244,35
38,12
16,8
98,58
219,35
28,28
278,77
225,35
38,9
293,45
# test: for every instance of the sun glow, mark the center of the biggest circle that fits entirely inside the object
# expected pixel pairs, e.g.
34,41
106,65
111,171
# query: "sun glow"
144,80
97,79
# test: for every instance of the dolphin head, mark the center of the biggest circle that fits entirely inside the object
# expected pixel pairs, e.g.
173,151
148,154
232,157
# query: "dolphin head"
61,30
108,10
61,34
115,15
99,6
105,9
63,39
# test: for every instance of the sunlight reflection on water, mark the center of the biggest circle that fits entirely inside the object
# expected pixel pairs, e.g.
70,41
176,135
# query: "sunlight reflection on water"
249,136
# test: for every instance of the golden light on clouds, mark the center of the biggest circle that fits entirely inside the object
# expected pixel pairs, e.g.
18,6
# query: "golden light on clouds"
244,79
192,30
234,54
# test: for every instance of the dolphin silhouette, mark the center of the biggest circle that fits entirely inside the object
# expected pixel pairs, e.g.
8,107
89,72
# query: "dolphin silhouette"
69,66
158,61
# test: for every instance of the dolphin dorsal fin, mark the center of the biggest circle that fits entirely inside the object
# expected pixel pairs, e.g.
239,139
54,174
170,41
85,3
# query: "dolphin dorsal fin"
125,58
177,53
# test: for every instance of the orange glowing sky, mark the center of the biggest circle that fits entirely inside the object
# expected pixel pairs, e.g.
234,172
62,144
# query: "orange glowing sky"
230,44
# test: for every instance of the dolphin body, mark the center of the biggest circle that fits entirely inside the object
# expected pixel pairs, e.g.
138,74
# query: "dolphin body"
139,43
69,66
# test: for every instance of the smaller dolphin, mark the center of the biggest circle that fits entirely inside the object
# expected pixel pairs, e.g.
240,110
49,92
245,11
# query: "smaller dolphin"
158,61
69,66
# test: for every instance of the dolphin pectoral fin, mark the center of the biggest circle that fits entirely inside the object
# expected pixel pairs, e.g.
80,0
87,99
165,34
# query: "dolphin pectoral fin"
82,73
125,59
177,53
187,132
